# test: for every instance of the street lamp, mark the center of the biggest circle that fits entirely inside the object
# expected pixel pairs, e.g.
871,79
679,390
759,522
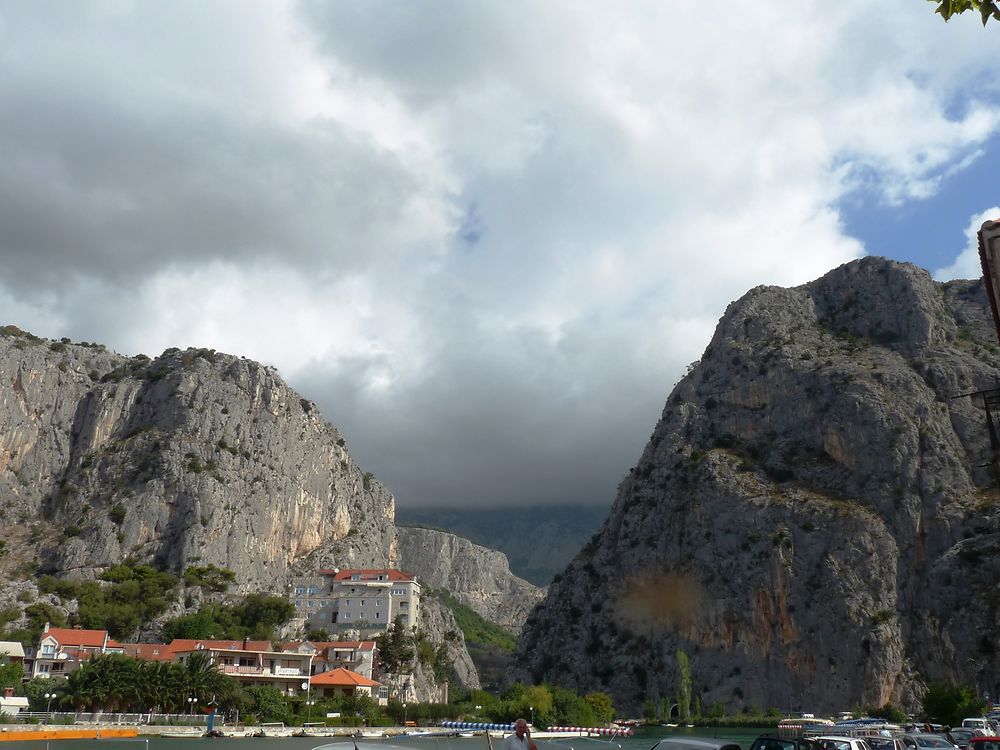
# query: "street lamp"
309,701
48,705
532,709
478,709
404,713
191,702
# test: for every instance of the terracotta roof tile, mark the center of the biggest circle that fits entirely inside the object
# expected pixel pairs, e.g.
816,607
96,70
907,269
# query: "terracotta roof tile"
341,677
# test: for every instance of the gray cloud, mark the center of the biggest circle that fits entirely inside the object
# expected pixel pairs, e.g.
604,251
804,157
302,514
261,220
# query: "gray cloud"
485,238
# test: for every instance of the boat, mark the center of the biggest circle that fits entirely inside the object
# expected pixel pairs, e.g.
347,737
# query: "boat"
235,731
175,734
370,733
275,729
466,734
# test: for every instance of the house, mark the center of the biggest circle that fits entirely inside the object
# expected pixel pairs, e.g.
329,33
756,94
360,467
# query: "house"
357,656
12,705
343,682
12,651
367,600
251,663
62,650
149,651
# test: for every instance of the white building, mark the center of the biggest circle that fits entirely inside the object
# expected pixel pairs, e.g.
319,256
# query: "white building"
357,599
62,650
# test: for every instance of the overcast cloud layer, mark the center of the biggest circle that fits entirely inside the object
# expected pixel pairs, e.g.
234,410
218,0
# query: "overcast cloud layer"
486,238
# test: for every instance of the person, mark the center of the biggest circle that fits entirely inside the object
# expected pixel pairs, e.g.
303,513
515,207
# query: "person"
521,739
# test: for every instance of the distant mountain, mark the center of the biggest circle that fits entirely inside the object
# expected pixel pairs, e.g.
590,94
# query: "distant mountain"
815,521
538,541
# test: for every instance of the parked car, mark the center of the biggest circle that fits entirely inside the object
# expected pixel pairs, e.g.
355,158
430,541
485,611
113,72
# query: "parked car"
991,742
838,742
927,741
694,743
878,742
960,736
976,722
776,742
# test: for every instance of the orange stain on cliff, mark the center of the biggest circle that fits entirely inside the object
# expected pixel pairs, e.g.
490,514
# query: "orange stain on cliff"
662,600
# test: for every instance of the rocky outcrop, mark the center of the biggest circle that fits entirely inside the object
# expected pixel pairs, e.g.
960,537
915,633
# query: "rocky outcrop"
477,576
814,520
195,456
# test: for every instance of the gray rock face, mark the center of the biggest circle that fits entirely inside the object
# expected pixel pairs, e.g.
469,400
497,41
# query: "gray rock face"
477,576
192,457
810,522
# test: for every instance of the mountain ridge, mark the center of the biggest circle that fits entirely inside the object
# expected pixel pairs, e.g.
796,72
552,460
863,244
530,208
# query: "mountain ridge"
803,513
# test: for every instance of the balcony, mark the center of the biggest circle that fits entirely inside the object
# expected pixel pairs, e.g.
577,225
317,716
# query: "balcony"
240,670
258,671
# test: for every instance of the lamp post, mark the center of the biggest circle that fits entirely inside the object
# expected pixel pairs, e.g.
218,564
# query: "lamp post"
191,702
48,704
307,686
532,709
404,713
478,709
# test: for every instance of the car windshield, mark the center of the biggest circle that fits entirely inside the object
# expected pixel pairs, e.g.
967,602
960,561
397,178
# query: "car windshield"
880,743
932,742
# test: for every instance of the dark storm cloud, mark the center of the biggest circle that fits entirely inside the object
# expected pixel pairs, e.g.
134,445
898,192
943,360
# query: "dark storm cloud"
485,238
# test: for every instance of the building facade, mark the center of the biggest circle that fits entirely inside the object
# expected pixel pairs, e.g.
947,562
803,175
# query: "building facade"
62,650
366,600
356,656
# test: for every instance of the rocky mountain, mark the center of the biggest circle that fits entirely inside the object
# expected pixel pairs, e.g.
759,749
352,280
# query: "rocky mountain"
477,576
192,456
815,521
539,541
195,457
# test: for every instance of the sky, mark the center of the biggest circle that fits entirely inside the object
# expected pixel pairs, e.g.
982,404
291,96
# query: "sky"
485,237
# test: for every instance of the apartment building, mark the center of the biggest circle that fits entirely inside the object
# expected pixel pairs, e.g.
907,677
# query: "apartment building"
356,656
367,600
251,663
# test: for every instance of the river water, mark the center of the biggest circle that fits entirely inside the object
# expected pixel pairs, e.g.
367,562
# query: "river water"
643,739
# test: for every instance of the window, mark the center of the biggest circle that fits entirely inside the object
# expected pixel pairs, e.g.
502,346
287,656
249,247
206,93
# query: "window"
300,589
378,602
362,602
298,602
310,603
404,605
48,649
363,616
347,615
313,589
378,615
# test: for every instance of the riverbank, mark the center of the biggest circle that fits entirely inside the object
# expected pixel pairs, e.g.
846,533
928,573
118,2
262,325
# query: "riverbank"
25,733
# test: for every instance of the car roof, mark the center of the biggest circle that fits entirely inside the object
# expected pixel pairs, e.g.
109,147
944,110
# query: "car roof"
838,737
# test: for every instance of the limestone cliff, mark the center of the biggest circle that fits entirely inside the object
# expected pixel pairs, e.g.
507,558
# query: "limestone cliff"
811,521
477,576
193,456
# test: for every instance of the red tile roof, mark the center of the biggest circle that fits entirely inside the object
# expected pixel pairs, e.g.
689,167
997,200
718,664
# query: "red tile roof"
178,645
341,677
369,574
70,637
324,645
149,651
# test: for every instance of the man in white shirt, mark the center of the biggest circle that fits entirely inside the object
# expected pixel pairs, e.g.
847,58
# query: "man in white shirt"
521,739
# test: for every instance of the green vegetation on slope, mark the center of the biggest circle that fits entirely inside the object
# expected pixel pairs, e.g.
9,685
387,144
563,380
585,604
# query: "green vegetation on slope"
255,617
476,629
